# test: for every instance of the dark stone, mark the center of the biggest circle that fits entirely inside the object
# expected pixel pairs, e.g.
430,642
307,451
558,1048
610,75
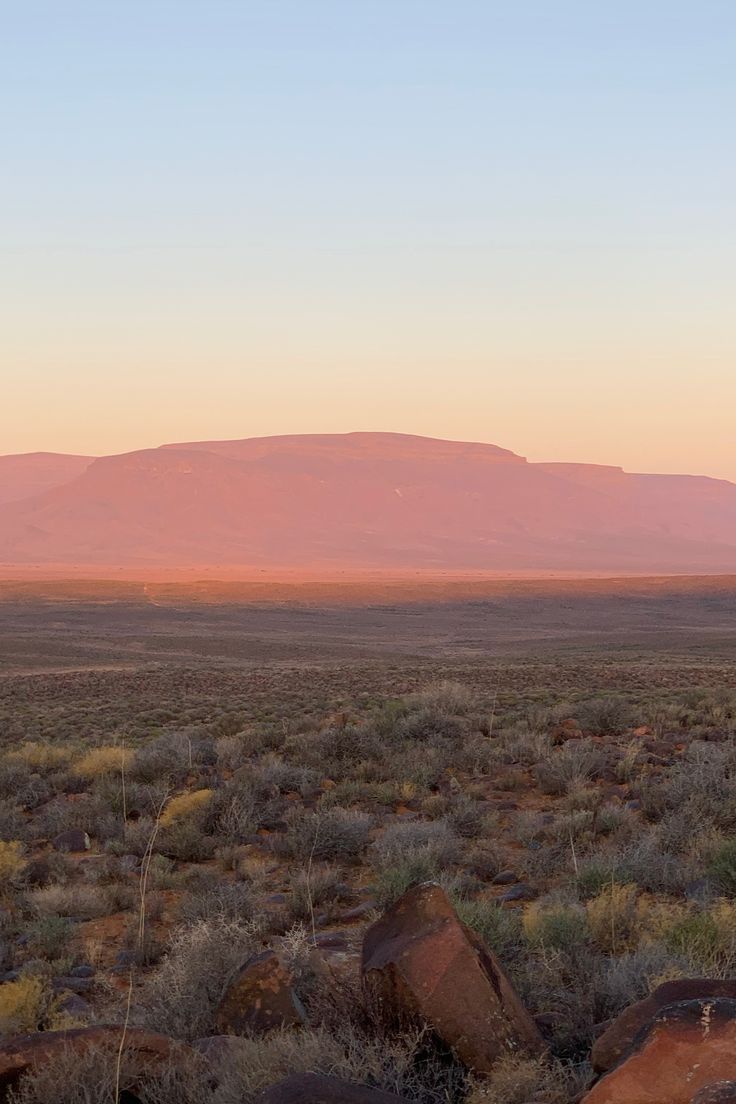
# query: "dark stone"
75,839
84,970
359,911
520,892
506,877
314,1088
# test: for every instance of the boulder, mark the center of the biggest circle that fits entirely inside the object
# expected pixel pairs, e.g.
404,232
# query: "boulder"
720,1092
618,1037
259,997
686,1047
567,729
313,1088
22,1053
75,839
420,963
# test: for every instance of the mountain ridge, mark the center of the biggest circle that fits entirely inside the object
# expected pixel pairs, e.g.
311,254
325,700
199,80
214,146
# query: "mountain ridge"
359,500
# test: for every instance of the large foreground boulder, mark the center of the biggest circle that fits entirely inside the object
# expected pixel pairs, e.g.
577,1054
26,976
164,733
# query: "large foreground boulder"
616,1040
313,1088
259,997
684,1048
23,1053
421,963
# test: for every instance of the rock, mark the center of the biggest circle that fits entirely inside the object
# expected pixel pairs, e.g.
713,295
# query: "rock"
22,1053
421,963
221,1050
569,729
684,1048
38,872
74,1005
520,892
74,984
75,839
616,1039
359,911
720,1092
84,970
259,997
313,1088
505,877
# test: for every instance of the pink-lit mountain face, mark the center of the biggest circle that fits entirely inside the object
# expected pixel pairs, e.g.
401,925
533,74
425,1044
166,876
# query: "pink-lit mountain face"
359,500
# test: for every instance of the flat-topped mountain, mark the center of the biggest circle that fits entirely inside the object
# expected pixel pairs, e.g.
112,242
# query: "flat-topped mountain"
359,500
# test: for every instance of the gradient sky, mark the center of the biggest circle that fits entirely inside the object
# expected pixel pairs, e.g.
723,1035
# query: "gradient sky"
502,221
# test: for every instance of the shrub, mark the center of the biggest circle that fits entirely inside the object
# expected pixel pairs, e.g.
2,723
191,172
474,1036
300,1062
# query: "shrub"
41,757
23,1004
515,1079
186,806
612,916
556,925
321,886
605,716
330,834
499,928
181,997
401,839
722,866
573,765
91,1077
50,937
208,896
12,863
448,696
103,760
83,902
705,937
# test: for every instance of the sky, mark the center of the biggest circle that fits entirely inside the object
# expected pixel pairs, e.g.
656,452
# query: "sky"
506,222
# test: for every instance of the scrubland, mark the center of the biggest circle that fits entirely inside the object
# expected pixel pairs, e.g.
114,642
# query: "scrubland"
163,821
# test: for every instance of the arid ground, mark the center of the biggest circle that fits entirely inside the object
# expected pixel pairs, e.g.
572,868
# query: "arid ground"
193,774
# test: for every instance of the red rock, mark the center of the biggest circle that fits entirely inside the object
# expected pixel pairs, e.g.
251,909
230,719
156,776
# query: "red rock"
313,1088
421,963
568,729
684,1048
259,997
22,1053
619,1036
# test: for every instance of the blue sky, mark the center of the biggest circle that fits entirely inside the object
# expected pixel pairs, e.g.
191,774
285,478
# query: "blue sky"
508,222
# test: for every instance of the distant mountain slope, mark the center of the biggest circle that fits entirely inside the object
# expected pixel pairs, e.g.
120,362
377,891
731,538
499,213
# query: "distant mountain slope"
32,473
370,500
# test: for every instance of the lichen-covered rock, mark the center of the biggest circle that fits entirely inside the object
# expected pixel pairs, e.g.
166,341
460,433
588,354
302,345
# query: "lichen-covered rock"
686,1047
259,997
618,1037
421,963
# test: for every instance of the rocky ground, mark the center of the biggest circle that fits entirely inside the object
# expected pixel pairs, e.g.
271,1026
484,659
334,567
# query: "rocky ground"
441,881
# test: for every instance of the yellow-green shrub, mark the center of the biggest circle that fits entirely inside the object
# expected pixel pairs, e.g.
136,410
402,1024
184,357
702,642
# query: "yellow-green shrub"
12,861
186,806
41,757
102,760
22,1005
612,917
